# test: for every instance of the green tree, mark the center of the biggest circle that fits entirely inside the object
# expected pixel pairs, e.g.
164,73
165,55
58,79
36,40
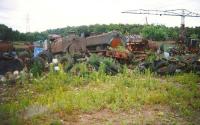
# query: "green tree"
155,32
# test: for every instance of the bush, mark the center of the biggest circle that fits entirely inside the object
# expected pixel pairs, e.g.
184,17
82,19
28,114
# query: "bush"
103,64
37,67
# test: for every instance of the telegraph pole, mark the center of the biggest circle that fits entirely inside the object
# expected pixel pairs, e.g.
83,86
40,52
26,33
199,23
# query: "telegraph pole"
146,20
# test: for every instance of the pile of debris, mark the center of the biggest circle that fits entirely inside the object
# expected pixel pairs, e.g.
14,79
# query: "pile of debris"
172,65
8,59
70,50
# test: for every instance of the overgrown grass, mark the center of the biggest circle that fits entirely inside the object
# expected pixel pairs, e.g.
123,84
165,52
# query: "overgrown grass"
92,91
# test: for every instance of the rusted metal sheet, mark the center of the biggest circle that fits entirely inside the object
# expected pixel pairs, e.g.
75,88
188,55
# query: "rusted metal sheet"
6,46
138,43
102,41
70,44
57,45
137,46
117,54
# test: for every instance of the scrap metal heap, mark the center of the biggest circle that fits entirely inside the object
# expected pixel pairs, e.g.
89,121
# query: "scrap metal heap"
110,45
72,49
103,41
140,48
191,46
136,43
184,57
173,65
137,46
8,60
72,44
128,50
14,57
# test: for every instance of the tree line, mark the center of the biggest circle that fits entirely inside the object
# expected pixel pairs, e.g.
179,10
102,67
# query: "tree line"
153,32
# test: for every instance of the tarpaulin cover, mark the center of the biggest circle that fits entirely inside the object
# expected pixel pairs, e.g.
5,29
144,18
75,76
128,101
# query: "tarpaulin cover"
37,51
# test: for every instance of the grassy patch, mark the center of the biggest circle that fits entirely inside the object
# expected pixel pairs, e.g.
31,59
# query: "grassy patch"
94,91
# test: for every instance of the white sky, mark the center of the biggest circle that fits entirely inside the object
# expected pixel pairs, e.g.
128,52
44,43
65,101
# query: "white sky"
49,14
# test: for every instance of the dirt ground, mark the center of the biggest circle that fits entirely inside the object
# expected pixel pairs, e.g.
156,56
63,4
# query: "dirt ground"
148,115
156,114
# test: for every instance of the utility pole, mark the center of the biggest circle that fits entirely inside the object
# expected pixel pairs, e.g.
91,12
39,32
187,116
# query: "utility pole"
176,12
146,20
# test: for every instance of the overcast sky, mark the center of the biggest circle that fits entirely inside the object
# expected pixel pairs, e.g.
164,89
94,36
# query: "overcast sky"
49,14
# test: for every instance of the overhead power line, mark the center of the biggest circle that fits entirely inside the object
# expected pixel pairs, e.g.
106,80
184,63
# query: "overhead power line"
175,12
